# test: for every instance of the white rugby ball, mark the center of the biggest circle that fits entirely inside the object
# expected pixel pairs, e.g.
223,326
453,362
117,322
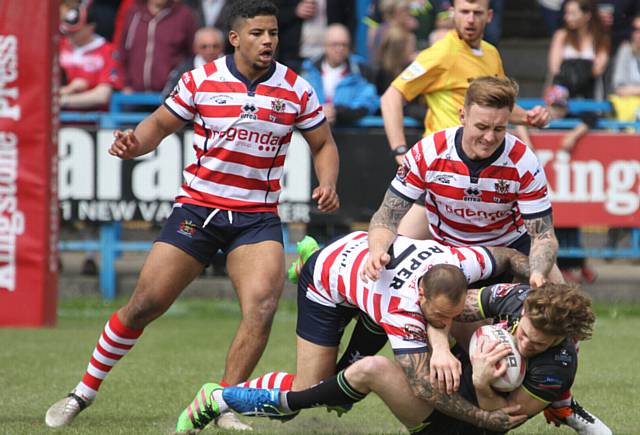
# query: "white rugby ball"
513,377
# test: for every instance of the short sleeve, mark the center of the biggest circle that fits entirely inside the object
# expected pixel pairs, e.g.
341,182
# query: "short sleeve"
181,100
476,262
422,76
410,182
311,114
533,193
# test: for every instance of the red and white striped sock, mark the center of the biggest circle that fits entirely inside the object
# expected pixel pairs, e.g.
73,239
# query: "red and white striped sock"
280,380
114,343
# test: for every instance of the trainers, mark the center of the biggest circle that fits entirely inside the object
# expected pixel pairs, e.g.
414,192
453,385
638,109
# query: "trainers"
200,412
228,420
65,410
577,418
257,402
305,247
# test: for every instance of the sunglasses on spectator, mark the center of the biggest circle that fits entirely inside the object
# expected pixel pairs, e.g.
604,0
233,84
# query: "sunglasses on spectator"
635,29
209,45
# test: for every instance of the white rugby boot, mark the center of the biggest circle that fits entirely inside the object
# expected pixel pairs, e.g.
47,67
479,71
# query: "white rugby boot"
65,410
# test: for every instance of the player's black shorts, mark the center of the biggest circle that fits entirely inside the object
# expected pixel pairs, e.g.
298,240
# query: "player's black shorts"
202,231
317,323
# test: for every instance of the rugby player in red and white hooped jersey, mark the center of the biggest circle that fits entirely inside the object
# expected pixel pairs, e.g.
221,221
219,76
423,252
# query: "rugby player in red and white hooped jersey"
244,108
423,286
480,184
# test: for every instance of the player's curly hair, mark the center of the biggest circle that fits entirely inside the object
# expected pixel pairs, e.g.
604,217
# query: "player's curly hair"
494,92
444,279
242,9
561,310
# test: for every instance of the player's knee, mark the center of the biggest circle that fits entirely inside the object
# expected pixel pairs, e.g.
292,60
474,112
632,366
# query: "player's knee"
261,311
371,367
142,308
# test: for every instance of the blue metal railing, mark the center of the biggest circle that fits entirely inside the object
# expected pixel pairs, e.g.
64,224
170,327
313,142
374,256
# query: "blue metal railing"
110,245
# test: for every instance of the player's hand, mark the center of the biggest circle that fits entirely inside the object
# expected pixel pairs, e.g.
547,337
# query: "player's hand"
125,145
399,159
486,362
373,265
326,197
445,372
504,419
538,117
537,280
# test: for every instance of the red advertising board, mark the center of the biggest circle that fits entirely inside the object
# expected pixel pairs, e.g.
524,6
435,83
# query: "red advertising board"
28,165
598,183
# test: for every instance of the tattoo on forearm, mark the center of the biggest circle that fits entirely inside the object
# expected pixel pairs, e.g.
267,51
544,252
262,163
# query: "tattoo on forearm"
508,259
471,311
544,245
391,211
416,368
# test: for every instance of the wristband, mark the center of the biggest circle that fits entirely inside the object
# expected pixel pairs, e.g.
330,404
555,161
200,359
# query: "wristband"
401,150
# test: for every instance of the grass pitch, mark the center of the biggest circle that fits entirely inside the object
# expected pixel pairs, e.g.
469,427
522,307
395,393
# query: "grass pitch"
148,389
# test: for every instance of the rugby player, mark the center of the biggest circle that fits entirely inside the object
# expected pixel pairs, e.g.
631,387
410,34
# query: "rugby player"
545,322
244,108
423,284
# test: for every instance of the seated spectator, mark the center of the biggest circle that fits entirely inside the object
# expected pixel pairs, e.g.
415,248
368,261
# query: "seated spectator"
394,13
87,60
397,50
579,51
444,23
626,77
557,99
339,79
208,45
157,36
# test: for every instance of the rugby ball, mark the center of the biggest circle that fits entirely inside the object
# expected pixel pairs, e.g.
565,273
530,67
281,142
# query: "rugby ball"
513,377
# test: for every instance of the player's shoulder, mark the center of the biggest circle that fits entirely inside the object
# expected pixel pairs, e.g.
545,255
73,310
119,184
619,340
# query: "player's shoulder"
518,152
440,50
438,144
555,366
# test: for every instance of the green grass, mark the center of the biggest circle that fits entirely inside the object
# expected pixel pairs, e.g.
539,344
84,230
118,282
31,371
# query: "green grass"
148,389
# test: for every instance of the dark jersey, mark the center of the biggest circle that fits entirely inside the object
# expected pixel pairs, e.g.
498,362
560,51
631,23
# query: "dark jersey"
548,374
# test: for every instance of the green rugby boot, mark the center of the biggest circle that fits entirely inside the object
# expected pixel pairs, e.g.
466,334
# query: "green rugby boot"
305,247
200,412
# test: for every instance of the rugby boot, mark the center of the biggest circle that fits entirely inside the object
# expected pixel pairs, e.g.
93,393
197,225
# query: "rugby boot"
201,411
257,402
305,247
577,418
65,410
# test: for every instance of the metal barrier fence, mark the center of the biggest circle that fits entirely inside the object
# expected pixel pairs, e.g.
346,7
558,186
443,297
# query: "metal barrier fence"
110,245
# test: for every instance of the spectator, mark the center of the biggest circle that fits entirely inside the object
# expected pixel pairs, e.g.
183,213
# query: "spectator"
105,12
341,79
493,31
87,60
444,24
579,51
157,36
208,45
303,23
397,50
395,13
210,13
557,98
616,16
551,14
626,77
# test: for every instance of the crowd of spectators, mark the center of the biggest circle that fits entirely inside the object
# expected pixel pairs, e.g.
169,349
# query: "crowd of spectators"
146,44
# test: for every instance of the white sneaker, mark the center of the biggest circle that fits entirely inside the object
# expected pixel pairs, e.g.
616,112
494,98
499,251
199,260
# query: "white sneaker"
585,423
228,420
65,410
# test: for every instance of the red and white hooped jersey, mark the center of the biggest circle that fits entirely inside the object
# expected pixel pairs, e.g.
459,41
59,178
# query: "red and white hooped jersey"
392,301
95,62
242,132
465,208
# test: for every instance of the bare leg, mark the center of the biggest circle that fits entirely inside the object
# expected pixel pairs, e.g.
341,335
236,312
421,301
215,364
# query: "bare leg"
314,363
415,223
166,272
257,274
387,379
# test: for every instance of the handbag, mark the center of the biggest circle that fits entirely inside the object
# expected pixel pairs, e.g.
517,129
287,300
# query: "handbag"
577,76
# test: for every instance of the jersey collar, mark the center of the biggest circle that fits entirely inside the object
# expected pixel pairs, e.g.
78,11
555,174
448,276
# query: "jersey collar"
476,166
251,86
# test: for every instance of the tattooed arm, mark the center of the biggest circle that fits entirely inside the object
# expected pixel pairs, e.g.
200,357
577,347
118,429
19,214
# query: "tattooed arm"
382,231
544,248
471,311
416,369
510,260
